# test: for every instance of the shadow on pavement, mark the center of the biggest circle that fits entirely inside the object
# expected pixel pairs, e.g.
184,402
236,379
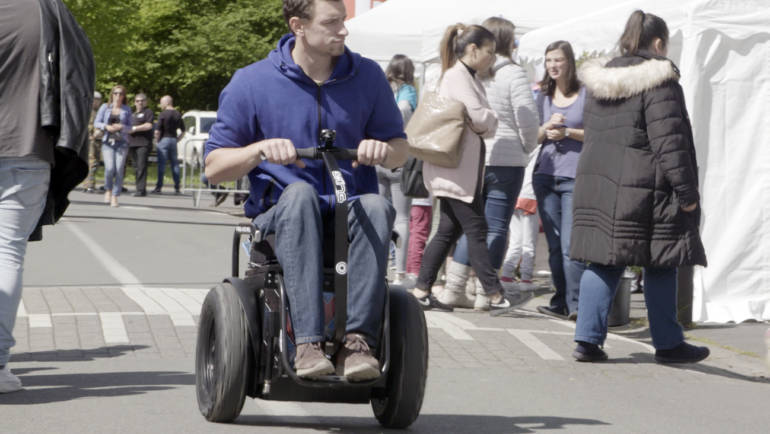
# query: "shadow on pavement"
707,369
74,355
42,389
426,423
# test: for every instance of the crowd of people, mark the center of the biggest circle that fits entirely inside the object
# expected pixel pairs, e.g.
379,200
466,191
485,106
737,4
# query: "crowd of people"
116,133
606,161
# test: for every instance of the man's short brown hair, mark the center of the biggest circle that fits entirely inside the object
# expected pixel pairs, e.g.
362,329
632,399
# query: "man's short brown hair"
299,8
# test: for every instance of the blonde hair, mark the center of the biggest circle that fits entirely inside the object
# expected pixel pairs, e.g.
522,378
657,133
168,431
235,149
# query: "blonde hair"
112,94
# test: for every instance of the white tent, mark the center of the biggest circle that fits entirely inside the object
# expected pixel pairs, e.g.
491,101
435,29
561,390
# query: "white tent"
722,48
415,27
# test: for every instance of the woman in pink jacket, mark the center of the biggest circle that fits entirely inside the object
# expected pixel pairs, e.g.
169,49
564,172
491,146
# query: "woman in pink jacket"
464,50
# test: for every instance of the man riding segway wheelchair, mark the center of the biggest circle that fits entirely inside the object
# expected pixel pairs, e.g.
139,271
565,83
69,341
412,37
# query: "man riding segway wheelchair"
311,82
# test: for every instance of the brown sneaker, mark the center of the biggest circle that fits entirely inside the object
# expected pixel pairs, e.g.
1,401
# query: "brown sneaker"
355,359
311,362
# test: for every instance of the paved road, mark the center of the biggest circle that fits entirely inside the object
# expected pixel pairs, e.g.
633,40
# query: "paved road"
106,336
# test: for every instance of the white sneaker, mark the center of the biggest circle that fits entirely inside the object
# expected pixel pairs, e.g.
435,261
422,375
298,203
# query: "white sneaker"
8,381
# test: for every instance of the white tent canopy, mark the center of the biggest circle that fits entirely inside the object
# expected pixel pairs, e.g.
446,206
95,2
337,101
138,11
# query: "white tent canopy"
721,48
415,27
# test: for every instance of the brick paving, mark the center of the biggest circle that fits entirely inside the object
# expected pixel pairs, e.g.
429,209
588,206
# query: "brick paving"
67,324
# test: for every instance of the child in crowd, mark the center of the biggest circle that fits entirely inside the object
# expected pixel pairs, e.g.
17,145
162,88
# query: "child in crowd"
522,240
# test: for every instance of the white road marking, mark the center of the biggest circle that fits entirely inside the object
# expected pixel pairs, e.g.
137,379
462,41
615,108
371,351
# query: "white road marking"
625,339
136,208
113,266
113,328
39,320
198,295
179,315
21,312
444,321
140,296
535,345
187,301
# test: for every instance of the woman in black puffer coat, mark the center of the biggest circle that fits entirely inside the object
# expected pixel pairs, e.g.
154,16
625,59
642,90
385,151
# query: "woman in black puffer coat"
636,190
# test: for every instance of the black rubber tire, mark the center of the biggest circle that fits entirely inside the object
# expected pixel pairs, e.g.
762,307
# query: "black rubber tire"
409,363
223,356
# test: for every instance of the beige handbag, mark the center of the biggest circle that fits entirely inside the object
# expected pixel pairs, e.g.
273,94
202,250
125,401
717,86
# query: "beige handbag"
435,130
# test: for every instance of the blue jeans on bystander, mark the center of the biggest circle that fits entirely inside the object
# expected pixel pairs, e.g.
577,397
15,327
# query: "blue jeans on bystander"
114,161
167,152
501,189
597,289
554,203
23,190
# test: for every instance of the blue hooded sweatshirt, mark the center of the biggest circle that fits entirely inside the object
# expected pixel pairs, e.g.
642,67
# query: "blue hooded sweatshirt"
273,98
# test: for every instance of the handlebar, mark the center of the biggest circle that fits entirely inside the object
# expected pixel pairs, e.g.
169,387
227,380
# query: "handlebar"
339,153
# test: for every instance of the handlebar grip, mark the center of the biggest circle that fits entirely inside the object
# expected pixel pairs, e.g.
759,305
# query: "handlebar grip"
310,153
346,154
339,153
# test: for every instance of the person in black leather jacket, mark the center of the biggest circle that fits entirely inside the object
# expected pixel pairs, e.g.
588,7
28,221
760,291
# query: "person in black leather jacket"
65,104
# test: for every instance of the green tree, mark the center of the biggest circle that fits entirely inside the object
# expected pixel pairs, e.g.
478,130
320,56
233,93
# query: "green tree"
186,48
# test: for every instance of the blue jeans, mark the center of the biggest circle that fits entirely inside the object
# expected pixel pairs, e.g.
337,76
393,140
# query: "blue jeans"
501,190
597,289
167,152
554,202
114,160
299,232
23,189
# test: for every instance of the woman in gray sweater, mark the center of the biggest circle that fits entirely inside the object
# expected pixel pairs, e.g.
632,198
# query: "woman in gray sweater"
507,153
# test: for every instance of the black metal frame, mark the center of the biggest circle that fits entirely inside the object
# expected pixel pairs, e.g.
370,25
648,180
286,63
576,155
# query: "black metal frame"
275,378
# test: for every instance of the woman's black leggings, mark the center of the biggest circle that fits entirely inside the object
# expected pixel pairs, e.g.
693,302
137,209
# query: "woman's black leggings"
458,217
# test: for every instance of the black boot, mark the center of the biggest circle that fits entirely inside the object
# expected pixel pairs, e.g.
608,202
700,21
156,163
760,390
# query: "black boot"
682,353
588,352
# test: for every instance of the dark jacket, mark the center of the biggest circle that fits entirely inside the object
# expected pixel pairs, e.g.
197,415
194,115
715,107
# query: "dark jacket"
637,168
66,93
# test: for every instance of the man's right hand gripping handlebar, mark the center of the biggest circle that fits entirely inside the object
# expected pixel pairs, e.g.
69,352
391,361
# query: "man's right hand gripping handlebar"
279,151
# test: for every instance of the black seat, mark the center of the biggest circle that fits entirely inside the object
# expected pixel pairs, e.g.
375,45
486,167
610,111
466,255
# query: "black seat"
263,254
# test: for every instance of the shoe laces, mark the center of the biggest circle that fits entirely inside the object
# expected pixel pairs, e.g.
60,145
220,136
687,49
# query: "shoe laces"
357,343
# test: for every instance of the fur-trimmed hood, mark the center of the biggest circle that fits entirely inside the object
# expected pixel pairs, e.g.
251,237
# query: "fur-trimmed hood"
625,77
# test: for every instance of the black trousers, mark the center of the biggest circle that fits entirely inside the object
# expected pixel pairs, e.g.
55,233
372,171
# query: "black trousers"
458,217
138,155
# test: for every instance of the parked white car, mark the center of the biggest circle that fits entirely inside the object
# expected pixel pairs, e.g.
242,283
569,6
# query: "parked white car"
197,124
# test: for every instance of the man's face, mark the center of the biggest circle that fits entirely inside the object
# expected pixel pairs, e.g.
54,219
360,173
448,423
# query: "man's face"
140,103
97,103
325,32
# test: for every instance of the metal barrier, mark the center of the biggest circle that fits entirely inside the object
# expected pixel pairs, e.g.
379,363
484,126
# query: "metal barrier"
193,179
